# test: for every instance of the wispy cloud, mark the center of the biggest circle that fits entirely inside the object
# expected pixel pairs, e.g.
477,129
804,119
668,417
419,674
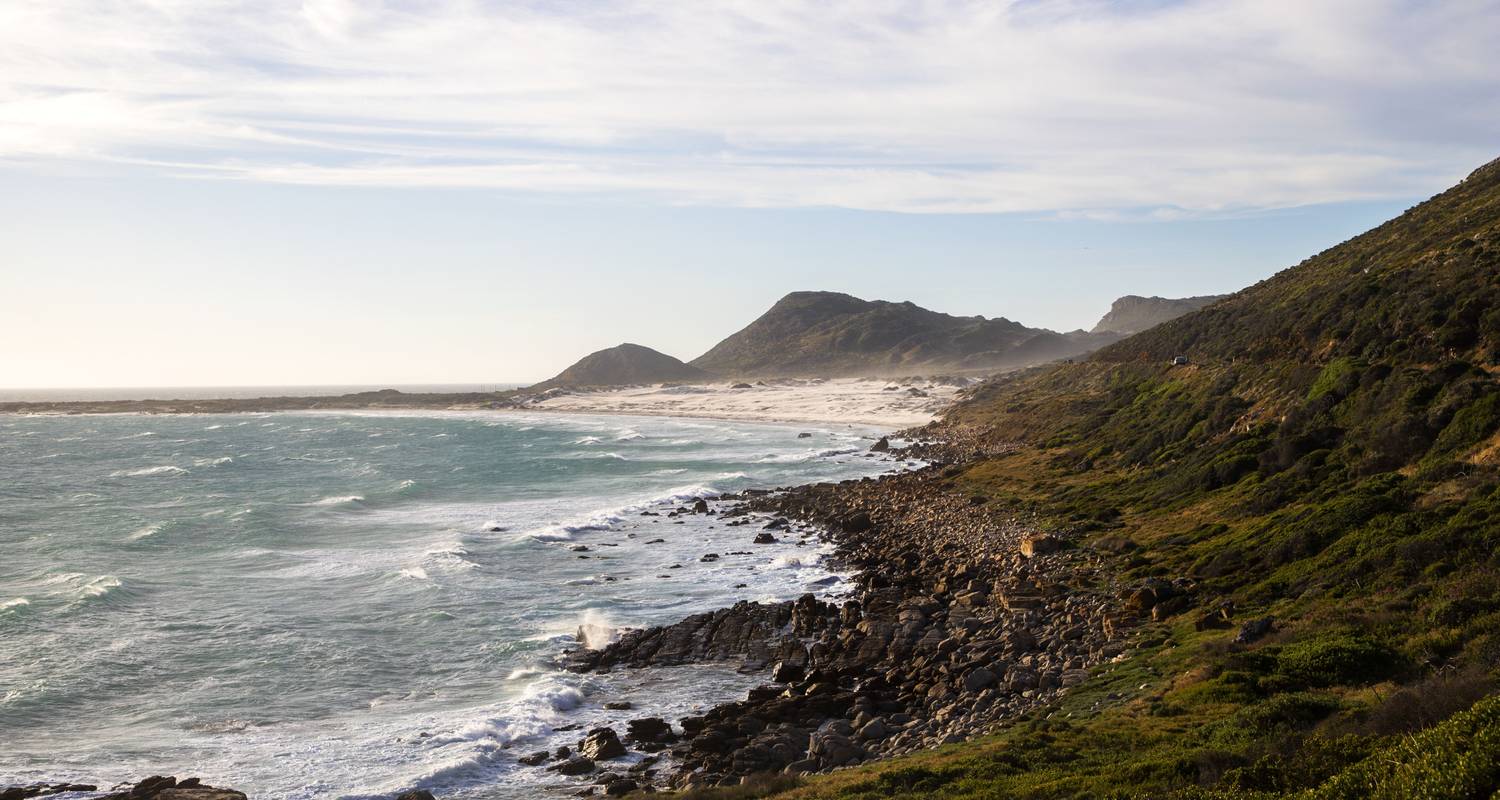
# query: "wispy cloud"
1080,106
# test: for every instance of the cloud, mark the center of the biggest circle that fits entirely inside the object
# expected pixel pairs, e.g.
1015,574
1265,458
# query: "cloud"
1075,106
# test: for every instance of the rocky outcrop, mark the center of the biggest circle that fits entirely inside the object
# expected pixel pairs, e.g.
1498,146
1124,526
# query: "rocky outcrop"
1132,314
954,629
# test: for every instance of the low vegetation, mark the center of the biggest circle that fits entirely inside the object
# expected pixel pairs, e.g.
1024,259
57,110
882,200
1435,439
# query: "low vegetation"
1328,460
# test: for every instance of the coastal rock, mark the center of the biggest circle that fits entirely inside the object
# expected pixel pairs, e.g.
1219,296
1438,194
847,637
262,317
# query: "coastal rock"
577,765
881,446
158,787
765,538
601,744
415,794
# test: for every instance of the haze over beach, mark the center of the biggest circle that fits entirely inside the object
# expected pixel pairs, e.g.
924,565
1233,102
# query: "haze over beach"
455,400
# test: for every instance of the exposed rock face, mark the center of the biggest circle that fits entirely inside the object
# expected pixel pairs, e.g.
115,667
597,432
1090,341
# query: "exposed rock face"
1132,314
829,334
624,365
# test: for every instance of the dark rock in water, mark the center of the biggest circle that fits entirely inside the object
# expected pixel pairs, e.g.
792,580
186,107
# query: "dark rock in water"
1255,629
882,446
649,730
742,386
700,507
619,705
415,794
535,759
40,789
601,744
656,541
710,557
169,788
765,538
804,436
579,548
579,765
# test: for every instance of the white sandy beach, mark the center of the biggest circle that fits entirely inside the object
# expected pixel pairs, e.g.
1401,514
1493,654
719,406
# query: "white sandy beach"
891,404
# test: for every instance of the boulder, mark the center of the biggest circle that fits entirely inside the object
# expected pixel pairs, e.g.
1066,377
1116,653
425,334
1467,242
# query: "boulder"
1039,544
979,679
578,765
535,759
858,522
765,538
882,446
601,744
787,672
1255,629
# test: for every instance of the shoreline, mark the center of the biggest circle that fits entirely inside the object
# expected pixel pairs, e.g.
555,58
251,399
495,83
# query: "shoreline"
873,402
988,621
711,698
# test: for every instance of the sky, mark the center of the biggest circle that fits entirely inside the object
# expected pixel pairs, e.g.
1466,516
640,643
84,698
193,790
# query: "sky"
214,192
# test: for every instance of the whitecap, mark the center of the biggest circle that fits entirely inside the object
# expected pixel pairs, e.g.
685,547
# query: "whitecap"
213,462
415,573
148,472
588,440
339,500
146,532
14,604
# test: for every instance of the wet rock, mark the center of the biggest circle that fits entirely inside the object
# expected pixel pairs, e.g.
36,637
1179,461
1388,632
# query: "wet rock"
700,506
881,446
619,705
535,759
765,538
578,765
415,794
649,730
601,744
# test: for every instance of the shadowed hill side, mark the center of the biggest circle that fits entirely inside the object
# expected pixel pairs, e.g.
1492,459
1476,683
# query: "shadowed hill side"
623,365
832,334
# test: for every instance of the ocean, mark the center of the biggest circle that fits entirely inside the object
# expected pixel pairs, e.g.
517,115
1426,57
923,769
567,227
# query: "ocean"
308,605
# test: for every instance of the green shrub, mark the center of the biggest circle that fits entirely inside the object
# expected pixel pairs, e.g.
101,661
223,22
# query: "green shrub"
1337,660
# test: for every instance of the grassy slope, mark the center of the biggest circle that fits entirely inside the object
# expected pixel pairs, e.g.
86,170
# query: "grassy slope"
1328,458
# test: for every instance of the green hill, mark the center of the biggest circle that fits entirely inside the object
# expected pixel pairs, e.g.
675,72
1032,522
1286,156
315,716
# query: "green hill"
1327,459
829,334
623,365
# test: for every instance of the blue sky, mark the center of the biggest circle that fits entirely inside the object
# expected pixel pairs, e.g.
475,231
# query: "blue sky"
222,192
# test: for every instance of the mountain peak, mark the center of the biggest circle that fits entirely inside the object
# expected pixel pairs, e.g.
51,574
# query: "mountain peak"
624,364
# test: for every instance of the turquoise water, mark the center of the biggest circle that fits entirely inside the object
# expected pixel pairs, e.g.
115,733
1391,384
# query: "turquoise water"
347,605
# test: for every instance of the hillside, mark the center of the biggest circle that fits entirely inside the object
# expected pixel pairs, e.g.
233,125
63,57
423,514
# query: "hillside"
1300,528
1132,314
623,365
829,334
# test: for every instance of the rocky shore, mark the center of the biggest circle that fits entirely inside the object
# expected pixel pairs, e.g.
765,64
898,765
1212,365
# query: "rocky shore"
961,619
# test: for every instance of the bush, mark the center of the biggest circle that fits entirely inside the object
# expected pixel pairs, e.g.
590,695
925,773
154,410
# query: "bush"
1337,660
